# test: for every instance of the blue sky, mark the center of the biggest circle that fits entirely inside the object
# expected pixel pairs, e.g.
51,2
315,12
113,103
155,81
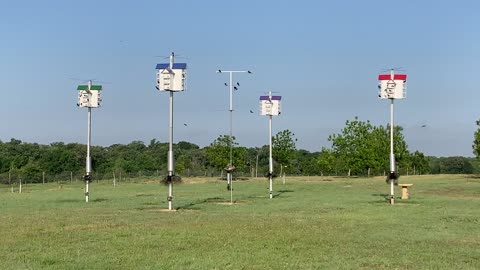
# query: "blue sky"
322,57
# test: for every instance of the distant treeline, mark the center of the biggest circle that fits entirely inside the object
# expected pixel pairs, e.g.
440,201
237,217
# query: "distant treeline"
361,149
33,161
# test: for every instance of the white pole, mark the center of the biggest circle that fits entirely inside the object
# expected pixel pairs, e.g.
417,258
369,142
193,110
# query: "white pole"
270,159
88,160
114,184
256,167
170,156
20,187
392,155
229,173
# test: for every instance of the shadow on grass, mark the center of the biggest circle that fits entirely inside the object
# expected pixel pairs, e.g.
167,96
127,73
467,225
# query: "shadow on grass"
100,200
144,195
280,192
385,196
191,206
80,200
68,200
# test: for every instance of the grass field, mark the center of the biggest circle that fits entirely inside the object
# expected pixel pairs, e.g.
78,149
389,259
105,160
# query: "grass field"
312,223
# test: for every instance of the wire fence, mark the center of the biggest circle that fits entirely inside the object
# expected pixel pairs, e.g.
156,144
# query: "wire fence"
14,178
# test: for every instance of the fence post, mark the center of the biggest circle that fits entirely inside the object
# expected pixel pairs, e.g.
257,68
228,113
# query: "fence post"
43,178
114,179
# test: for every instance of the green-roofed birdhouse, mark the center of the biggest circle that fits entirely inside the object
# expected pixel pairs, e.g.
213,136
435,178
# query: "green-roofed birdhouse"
89,96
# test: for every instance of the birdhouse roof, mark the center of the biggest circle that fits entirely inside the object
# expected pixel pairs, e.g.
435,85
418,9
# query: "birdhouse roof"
384,77
92,87
175,66
268,98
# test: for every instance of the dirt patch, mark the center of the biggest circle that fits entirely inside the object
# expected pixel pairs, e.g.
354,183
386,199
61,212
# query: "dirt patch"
162,210
59,188
151,182
228,203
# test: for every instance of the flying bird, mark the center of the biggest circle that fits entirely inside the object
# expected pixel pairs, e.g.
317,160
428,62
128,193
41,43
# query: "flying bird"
424,125
185,124
251,111
235,88
238,84
226,84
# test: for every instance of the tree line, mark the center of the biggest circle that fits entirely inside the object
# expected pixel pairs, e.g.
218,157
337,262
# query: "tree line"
360,149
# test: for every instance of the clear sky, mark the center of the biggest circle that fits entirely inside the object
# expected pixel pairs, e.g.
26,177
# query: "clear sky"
322,57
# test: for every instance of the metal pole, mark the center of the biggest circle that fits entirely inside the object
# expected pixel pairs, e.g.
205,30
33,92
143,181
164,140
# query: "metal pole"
256,167
170,156
392,155
230,166
88,160
229,174
270,159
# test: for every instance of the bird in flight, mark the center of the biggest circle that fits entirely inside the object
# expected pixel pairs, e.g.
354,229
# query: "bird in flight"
424,126
251,111
185,124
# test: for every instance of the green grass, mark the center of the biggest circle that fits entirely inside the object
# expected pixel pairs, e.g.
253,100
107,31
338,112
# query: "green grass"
312,223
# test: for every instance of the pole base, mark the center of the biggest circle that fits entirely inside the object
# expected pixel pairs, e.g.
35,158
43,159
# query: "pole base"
392,200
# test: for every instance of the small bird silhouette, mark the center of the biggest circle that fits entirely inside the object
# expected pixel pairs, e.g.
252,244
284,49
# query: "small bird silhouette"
185,124
238,84
424,125
251,111
235,88
226,84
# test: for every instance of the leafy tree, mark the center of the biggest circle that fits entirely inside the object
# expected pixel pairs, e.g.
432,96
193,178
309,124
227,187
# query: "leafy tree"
453,165
419,163
326,161
307,163
32,172
361,146
218,153
283,149
476,141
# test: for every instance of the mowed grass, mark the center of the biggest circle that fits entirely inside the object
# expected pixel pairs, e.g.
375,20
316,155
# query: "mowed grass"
312,223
